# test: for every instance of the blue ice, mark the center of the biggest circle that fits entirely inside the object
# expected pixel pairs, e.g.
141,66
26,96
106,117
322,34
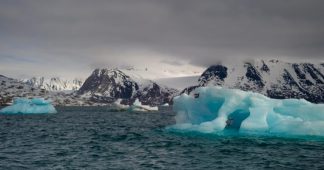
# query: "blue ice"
29,106
215,109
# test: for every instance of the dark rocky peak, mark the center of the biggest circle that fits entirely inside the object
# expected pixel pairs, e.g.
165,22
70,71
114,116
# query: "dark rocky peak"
314,73
298,71
56,79
111,82
217,72
289,80
253,75
111,73
108,85
301,75
274,61
265,67
155,94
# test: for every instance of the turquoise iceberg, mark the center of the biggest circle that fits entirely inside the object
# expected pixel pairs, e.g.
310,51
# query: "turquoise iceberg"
29,106
215,109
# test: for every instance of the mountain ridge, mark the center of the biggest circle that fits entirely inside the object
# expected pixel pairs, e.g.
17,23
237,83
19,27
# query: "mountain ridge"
54,83
112,84
273,78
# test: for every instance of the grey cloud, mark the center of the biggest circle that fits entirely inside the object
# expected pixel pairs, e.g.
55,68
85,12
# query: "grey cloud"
172,62
85,34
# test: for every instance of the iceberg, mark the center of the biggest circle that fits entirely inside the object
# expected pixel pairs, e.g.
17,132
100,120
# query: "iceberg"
138,106
118,106
29,106
217,109
165,105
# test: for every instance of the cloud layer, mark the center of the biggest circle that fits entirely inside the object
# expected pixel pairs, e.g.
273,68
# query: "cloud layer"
71,37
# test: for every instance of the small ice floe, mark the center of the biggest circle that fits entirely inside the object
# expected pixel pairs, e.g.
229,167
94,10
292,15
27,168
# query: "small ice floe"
29,106
118,106
165,105
138,106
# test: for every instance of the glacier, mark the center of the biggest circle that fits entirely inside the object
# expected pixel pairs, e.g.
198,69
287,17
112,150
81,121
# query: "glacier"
29,106
217,109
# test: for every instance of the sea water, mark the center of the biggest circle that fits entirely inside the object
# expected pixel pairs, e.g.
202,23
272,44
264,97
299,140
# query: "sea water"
95,138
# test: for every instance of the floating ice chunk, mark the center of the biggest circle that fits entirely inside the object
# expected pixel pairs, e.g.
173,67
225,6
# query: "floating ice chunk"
214,109
29,106
165,105
137,106
120,107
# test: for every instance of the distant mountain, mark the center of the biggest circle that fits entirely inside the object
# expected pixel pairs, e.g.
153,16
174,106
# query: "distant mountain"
54,83
102,87
108,85
273,78
10,88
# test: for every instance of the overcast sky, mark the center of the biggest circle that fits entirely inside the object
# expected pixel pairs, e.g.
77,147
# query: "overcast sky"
72,37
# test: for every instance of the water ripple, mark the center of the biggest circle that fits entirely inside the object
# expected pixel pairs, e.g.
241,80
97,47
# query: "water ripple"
92,138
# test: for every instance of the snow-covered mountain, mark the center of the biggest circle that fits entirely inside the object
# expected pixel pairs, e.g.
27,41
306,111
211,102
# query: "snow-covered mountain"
10,88
111,84
273,78
54,83
103,86
276,79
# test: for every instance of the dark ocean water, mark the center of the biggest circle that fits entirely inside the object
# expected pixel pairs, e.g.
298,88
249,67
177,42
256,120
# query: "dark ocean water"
94,138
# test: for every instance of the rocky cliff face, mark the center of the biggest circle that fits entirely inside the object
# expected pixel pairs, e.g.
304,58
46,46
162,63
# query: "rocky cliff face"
272,78
108,85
